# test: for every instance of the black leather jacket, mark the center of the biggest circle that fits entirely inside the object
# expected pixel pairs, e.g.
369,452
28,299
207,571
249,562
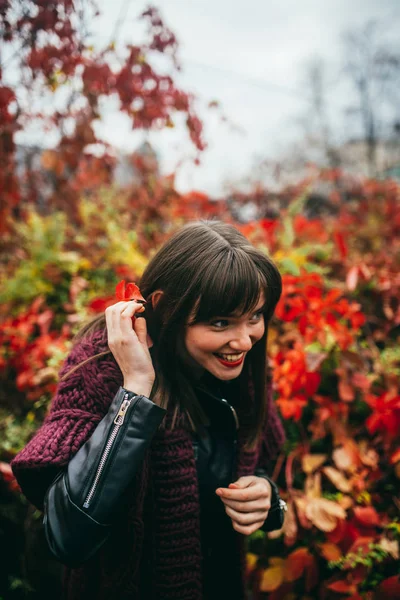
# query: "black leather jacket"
80,501
216,454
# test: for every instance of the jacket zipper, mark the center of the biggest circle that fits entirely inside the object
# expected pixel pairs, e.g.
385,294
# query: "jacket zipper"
233,411
234,453
118,421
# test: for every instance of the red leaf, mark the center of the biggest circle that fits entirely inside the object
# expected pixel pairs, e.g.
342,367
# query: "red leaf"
367,515
389,589
129,291
342,587
340,244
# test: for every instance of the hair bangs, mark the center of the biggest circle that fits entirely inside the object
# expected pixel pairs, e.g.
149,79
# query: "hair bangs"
230,285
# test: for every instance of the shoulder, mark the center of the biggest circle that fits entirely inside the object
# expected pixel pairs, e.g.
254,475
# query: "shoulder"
89,377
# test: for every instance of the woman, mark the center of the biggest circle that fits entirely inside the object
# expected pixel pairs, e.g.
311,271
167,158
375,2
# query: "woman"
151,465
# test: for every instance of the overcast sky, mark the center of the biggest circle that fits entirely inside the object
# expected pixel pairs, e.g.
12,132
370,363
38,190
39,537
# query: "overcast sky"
248,56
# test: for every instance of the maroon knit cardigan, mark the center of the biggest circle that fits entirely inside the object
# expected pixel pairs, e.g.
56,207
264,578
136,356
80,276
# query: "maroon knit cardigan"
154,550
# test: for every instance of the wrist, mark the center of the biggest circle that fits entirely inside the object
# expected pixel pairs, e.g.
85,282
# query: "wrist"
141,388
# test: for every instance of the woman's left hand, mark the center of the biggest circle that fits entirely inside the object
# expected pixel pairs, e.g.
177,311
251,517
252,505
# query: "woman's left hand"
247,502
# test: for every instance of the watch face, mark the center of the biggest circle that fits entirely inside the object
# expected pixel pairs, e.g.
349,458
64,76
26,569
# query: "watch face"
282,504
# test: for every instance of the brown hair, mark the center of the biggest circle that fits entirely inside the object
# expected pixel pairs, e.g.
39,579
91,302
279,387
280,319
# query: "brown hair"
206,269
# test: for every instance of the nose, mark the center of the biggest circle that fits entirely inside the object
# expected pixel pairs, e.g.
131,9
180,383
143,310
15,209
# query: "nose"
242,340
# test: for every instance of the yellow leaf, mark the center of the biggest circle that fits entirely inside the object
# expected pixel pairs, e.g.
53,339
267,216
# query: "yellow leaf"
271,579
338,479
311,462
30,416
275,561
324,514
251,560
312,485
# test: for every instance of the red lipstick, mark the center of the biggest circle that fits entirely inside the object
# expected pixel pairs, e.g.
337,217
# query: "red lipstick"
230,364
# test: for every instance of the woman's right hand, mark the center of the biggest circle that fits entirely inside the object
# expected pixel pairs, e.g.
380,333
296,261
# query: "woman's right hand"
129,346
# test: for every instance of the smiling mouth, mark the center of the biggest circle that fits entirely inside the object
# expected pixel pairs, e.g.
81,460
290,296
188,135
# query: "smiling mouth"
230,359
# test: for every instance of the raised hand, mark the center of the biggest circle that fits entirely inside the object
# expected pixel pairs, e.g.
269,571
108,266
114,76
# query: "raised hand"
129,343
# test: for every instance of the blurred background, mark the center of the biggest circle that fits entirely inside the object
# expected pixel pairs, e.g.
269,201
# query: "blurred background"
119,122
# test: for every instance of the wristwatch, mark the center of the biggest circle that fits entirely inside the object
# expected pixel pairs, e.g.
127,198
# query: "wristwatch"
276,514
276,500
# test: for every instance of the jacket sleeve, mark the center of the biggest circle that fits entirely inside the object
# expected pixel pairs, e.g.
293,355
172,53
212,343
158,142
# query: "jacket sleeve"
80,503
60,462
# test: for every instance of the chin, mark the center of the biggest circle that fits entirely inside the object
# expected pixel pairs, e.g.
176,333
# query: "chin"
234,374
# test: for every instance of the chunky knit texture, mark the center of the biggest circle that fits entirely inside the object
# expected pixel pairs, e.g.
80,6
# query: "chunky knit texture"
154,551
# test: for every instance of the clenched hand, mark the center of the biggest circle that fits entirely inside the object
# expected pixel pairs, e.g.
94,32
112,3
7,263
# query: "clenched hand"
247,502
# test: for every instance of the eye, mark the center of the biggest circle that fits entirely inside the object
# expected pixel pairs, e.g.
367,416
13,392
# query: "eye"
257,316
219,323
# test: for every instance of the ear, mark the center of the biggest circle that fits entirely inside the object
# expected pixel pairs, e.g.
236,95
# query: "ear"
155,298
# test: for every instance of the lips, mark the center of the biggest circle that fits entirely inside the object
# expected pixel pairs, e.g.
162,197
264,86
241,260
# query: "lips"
229,363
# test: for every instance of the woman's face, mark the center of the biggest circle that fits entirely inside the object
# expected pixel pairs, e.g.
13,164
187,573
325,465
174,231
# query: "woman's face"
221,345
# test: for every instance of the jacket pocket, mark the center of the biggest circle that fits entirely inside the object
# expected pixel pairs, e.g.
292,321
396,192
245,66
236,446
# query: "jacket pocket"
72,536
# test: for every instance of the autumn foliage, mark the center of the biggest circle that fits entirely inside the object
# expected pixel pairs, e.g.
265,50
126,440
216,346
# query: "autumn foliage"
48,43
333,343
335,375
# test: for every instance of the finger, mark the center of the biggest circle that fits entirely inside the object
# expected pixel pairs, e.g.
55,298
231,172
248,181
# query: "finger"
247,529
243,482
113,319
131,308
150,342
240,495
245,507
112,324
140,328
246,518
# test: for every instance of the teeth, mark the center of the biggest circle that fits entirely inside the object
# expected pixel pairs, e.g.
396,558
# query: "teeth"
230,357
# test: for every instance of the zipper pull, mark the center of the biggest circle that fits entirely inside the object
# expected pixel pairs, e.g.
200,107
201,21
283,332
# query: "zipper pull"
119,419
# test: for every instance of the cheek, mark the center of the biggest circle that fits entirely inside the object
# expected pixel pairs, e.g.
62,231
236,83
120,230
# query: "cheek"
260,331
199,342
194,342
